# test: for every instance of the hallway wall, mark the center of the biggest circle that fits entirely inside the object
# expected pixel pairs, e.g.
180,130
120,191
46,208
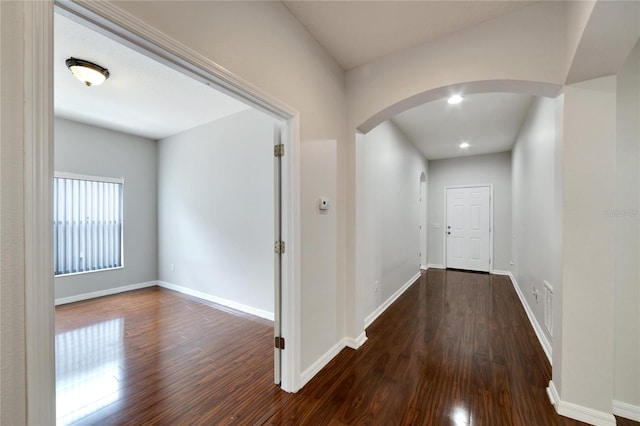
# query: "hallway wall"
627,218
388,208
536,218
588,250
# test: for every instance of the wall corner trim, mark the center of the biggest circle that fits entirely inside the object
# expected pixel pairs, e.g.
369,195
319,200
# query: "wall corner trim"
357,342
628,411
219,300
106,292
578,412
542,338
375,314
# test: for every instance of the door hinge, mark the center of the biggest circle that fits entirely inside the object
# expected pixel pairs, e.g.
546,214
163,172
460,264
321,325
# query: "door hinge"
279,247
279,342
278,150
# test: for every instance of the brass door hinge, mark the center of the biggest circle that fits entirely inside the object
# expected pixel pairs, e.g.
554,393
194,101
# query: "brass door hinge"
278,150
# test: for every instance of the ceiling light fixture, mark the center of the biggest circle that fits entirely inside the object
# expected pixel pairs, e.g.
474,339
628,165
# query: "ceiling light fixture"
464,145
87,72
455,99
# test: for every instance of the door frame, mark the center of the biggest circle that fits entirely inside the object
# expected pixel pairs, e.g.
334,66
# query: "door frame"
38,173
423,221
444,228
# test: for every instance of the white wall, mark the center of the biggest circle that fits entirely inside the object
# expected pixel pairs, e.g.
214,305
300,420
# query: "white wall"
477,169
388,208
13,380
536,243
216,209
588,252
89,150
318,167
627,292
558,245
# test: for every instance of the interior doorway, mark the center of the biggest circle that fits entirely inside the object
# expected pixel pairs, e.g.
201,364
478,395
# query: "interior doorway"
423,221
217,211
106,19
468,236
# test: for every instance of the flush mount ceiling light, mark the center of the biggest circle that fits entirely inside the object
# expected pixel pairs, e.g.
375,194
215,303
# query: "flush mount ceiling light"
87,72
464,145
455,99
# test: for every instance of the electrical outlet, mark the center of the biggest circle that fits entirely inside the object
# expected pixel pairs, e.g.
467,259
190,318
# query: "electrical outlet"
377,287
173,267
535,293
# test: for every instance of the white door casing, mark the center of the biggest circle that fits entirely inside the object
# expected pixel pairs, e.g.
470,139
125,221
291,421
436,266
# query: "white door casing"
468,228
277,279
423,222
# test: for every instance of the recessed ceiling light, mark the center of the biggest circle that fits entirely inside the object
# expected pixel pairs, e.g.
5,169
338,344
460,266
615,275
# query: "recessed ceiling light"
87,72
455,99
464,145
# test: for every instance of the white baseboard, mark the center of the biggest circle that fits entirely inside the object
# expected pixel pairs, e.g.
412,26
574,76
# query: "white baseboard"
219,300
578,412
435,266
321,362
542,338
552,392
357,342
375,314
500,272
315,368
101,293
424,267
584,414
628,411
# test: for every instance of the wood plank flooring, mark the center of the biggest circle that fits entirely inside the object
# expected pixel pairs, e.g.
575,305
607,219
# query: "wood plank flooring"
455,349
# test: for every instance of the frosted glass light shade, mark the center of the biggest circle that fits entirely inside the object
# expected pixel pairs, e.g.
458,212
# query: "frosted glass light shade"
87,72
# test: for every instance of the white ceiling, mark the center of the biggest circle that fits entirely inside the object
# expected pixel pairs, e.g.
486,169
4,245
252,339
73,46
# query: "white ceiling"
489,122
356,32
145,98
142,97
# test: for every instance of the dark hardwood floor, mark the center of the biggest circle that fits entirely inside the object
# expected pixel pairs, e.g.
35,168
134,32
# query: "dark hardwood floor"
455,349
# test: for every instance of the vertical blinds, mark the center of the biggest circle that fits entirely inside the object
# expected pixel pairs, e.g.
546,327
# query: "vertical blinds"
87,225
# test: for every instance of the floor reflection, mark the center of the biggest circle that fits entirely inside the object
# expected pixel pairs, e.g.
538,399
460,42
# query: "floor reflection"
88,362
460,416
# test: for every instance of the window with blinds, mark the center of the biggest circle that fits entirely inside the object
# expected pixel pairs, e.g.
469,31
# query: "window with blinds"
87,224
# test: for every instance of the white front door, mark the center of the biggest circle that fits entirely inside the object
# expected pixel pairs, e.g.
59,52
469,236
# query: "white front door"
468,228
